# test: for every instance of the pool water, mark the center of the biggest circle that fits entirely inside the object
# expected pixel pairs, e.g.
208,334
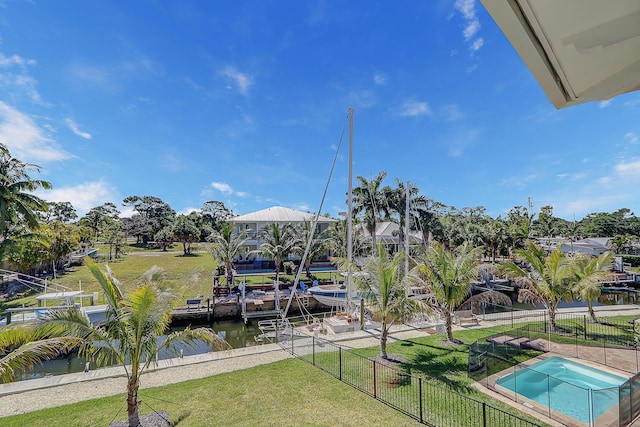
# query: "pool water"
567,387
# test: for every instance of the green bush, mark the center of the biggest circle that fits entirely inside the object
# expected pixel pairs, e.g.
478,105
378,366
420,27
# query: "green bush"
633,260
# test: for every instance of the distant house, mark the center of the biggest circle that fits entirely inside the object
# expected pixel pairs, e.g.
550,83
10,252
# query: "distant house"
253,223
388,234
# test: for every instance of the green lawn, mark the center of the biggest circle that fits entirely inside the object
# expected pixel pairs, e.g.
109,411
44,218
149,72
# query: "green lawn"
286,393
290,392
185,276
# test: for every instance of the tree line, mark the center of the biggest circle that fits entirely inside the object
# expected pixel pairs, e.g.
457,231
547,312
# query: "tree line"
36,234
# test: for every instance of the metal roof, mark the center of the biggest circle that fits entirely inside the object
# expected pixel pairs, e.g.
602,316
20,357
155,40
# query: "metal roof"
279,214
578,50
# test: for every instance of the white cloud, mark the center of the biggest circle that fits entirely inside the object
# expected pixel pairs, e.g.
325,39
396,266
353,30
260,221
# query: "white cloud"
467,8
82,196
302,207
241,80
222,187
412,108
471,28
380,79
477,44
18,82
628,170
605,103
74,128
8,61
25,139
452,112
188,210
631,137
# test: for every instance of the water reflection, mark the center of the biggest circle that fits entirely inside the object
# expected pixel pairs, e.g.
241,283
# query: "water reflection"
237,334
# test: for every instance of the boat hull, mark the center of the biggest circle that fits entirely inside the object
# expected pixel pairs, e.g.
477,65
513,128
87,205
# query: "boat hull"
332,296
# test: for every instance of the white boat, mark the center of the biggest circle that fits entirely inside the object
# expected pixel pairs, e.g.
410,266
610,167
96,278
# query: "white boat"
333,295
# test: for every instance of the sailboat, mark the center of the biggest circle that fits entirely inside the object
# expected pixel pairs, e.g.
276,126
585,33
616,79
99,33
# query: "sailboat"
338,295
343,295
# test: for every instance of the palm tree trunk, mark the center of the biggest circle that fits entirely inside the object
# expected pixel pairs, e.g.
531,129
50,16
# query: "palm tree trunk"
229,267
132,402
383,340
552,319
448,322
592,313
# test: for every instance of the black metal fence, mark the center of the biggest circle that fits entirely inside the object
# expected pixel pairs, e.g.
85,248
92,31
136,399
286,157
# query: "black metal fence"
498,359
428,403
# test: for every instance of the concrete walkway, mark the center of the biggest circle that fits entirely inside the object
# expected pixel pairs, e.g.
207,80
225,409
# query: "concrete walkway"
31,395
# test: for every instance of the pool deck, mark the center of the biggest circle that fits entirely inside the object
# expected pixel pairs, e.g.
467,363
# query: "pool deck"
622,362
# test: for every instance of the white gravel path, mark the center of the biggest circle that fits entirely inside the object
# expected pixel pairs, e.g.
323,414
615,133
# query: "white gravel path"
32,395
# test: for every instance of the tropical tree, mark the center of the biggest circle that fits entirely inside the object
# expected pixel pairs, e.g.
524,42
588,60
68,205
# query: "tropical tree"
18,204
317,244
226,246
544,280
157,212
134,332
369,198
279,242
588,274
215,214
98,216
60,212
520,220
495,236
397,204
446,277
186,232
384,291
164,237
24,345
337,239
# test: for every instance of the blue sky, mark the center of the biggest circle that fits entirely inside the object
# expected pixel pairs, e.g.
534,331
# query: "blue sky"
245,101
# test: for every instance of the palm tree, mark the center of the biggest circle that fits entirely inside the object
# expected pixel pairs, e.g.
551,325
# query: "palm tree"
588,274
17,203
279,242
338,239
226,246
385,292
545,280
317,245
369,197
446,279
22,346
135,324
397,201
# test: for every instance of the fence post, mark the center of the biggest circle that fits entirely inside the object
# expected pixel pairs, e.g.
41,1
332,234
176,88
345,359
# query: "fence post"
375,384
292,351
420,394
584,316
340,359
313,350
484,414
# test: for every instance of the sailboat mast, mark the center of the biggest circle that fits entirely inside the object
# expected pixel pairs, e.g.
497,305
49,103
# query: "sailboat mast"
350,214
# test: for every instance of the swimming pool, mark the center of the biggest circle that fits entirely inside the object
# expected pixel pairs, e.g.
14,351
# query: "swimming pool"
579,391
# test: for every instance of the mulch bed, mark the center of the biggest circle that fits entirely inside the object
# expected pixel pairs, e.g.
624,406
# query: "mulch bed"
153,419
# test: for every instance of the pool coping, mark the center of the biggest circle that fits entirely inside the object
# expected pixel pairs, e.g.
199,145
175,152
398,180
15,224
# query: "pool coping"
537,409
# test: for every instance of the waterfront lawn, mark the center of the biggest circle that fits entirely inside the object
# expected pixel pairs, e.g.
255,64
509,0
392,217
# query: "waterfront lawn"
187,277
286,393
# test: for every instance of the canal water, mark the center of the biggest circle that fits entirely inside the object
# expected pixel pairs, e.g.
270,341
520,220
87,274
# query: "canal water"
239,334
236,333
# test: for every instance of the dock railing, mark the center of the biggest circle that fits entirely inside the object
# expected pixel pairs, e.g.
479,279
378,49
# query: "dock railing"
427,402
